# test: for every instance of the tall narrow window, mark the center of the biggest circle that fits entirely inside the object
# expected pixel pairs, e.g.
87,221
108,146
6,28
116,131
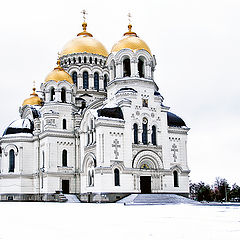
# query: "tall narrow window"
85,59
105,82
96,81
64,124
175,179
126,68
11,160
154,134
52,94
64,158
95,60
74,60
63,95
141,68
89,178
135,133
90,60
116,177
79,59
145,130
85,80
74,78
43,160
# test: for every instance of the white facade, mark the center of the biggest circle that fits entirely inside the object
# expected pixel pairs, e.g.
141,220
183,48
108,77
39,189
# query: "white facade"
105,138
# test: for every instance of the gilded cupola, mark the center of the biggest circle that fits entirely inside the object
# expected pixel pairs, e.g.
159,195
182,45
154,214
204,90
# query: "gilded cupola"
131,41
58,74
84,42
33,100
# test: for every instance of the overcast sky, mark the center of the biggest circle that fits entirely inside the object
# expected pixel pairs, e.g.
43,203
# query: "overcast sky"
197,48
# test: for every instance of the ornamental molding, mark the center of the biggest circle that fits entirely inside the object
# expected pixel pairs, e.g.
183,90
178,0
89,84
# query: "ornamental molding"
149,156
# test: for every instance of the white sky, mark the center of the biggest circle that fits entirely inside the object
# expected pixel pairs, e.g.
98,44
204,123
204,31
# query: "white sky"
196,44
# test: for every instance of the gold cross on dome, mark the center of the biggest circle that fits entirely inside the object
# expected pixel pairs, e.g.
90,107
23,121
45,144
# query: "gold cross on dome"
84,12
129,17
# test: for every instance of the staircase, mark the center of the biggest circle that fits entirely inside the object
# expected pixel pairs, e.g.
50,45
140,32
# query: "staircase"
71,198
158,199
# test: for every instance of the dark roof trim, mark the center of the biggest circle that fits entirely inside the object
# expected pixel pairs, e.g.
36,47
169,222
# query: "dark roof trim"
111,112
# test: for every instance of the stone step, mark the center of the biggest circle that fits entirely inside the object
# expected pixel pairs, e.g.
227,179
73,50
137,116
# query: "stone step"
156,199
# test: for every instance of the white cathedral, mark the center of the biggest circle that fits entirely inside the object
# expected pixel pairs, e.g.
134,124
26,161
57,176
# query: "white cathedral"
98,130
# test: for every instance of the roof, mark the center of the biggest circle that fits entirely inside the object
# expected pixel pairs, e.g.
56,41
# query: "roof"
20,126
115,112
174,120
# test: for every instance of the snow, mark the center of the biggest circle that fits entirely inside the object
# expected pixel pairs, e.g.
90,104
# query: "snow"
117,221
21,123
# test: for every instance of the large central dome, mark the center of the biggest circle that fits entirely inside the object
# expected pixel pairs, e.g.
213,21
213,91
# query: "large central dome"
84,42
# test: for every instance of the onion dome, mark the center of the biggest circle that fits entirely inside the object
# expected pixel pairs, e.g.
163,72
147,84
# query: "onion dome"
174,120
20,126
84,42
58,74
132,41
33,100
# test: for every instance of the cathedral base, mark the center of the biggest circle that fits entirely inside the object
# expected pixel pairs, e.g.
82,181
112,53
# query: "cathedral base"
113,197
18,197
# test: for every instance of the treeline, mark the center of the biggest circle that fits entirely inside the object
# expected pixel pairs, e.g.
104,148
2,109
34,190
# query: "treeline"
220,191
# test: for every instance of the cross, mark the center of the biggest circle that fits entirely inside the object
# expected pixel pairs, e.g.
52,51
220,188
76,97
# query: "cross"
84,12
129,17
174,150
116,146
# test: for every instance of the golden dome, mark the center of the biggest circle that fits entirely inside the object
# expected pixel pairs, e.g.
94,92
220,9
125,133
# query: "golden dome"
84,42
33,100
130,40
58,74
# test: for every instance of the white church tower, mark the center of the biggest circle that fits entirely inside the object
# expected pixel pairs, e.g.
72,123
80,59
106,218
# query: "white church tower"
100,129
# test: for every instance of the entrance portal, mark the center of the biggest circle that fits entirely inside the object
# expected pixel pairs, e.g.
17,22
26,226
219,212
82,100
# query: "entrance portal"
145,184
65,186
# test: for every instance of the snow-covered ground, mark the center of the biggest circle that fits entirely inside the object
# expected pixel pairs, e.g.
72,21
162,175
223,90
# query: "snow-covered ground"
116,221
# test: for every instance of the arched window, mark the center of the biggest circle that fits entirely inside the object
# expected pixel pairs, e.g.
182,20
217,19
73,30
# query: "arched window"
141,68
135,133
116,177
145,130
85,60
126,68
74,78
11,160
63,95
100,62
74,60
52,94
154,135
69,61
90,60
96,81
64,124
79,59
105,82
95,60
85,80
64,158
175,179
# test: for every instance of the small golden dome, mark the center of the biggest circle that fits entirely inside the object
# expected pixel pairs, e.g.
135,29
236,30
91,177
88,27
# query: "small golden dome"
33,100
130,40
84,42
58,74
